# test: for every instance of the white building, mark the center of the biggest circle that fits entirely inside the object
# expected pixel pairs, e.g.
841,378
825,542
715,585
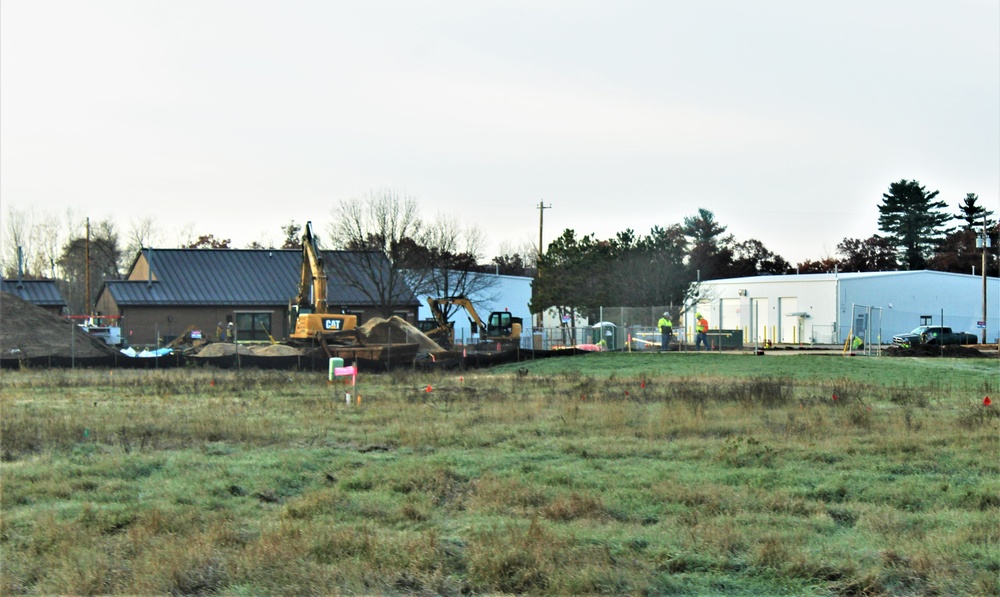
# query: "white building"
825,308
508,293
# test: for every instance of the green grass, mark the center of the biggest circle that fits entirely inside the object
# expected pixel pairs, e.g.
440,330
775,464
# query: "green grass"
662,474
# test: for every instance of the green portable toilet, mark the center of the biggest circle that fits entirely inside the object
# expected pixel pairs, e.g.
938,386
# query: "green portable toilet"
607,331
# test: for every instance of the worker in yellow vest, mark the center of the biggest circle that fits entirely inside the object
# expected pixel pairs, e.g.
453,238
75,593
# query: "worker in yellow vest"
666,330
701,332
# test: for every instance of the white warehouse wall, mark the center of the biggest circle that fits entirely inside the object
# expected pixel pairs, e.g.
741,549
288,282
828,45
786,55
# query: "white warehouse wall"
763,305
905,296
770,306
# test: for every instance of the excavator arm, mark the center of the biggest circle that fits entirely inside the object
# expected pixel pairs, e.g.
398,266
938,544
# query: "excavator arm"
438,308
311,313
312,276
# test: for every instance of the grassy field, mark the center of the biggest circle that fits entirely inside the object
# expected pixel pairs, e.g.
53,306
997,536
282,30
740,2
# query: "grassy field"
610,473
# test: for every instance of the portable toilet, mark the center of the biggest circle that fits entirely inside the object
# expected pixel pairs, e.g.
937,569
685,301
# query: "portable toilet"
608,332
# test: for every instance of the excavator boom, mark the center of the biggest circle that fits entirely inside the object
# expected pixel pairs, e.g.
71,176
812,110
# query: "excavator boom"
312,276
312,317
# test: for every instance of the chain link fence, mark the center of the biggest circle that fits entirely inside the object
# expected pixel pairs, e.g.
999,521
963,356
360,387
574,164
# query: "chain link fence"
615,328
634,328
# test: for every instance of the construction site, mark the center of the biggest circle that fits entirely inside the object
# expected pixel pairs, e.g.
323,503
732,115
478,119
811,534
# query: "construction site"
33,337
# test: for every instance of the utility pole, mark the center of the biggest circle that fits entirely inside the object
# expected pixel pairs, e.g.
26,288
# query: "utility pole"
538,268
86,293
541,213
984,242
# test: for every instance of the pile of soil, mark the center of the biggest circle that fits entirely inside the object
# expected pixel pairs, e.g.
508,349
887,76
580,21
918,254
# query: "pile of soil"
396,330
222,349
225,349
28,331
275,350
926,350
375,331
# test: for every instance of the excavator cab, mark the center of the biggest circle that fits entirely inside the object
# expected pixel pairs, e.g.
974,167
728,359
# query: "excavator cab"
502,325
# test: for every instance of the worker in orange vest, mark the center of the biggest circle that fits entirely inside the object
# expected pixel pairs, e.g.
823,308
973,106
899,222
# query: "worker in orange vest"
701,332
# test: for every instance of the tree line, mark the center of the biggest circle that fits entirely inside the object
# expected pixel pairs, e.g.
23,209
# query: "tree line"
440,257
662,267
437,257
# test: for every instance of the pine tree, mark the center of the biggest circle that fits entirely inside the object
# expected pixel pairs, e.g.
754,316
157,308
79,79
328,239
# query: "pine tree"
914,222
973,214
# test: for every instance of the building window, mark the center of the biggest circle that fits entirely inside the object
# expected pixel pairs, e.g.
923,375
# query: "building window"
253,326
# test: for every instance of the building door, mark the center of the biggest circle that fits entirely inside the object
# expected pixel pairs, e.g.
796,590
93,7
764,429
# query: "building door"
729,314
860,325
787,331
760,317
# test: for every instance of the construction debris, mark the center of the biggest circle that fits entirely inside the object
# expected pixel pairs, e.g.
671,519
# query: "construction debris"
396,330
28,331
223,349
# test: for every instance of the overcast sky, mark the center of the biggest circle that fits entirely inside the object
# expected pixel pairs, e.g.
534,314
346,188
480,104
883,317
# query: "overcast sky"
787,119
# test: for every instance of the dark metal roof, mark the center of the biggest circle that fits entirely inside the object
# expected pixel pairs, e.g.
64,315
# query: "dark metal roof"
199,277
43,293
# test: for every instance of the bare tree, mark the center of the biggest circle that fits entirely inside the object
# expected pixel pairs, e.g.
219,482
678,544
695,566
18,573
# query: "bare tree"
446,263
381,226
520,259
17,245
185,237
142,233
39,239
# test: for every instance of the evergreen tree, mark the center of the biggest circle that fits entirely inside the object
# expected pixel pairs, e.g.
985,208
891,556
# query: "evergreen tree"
958,253
913,220
293,235
973,214
709,254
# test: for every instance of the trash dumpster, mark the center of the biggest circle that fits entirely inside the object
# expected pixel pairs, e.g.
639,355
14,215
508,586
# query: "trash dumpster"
725,338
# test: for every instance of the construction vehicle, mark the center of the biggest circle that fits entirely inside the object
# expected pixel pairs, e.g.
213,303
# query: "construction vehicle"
104,327
308,309
501,326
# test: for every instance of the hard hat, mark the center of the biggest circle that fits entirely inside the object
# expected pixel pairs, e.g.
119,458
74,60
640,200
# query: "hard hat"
666,314
697,314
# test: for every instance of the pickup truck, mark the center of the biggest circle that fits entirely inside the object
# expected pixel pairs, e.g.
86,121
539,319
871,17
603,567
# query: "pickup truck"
935,335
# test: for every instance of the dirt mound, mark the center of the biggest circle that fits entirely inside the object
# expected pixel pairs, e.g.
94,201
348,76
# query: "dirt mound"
225,349
926,350
275,350
222,349
27,331
396,330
